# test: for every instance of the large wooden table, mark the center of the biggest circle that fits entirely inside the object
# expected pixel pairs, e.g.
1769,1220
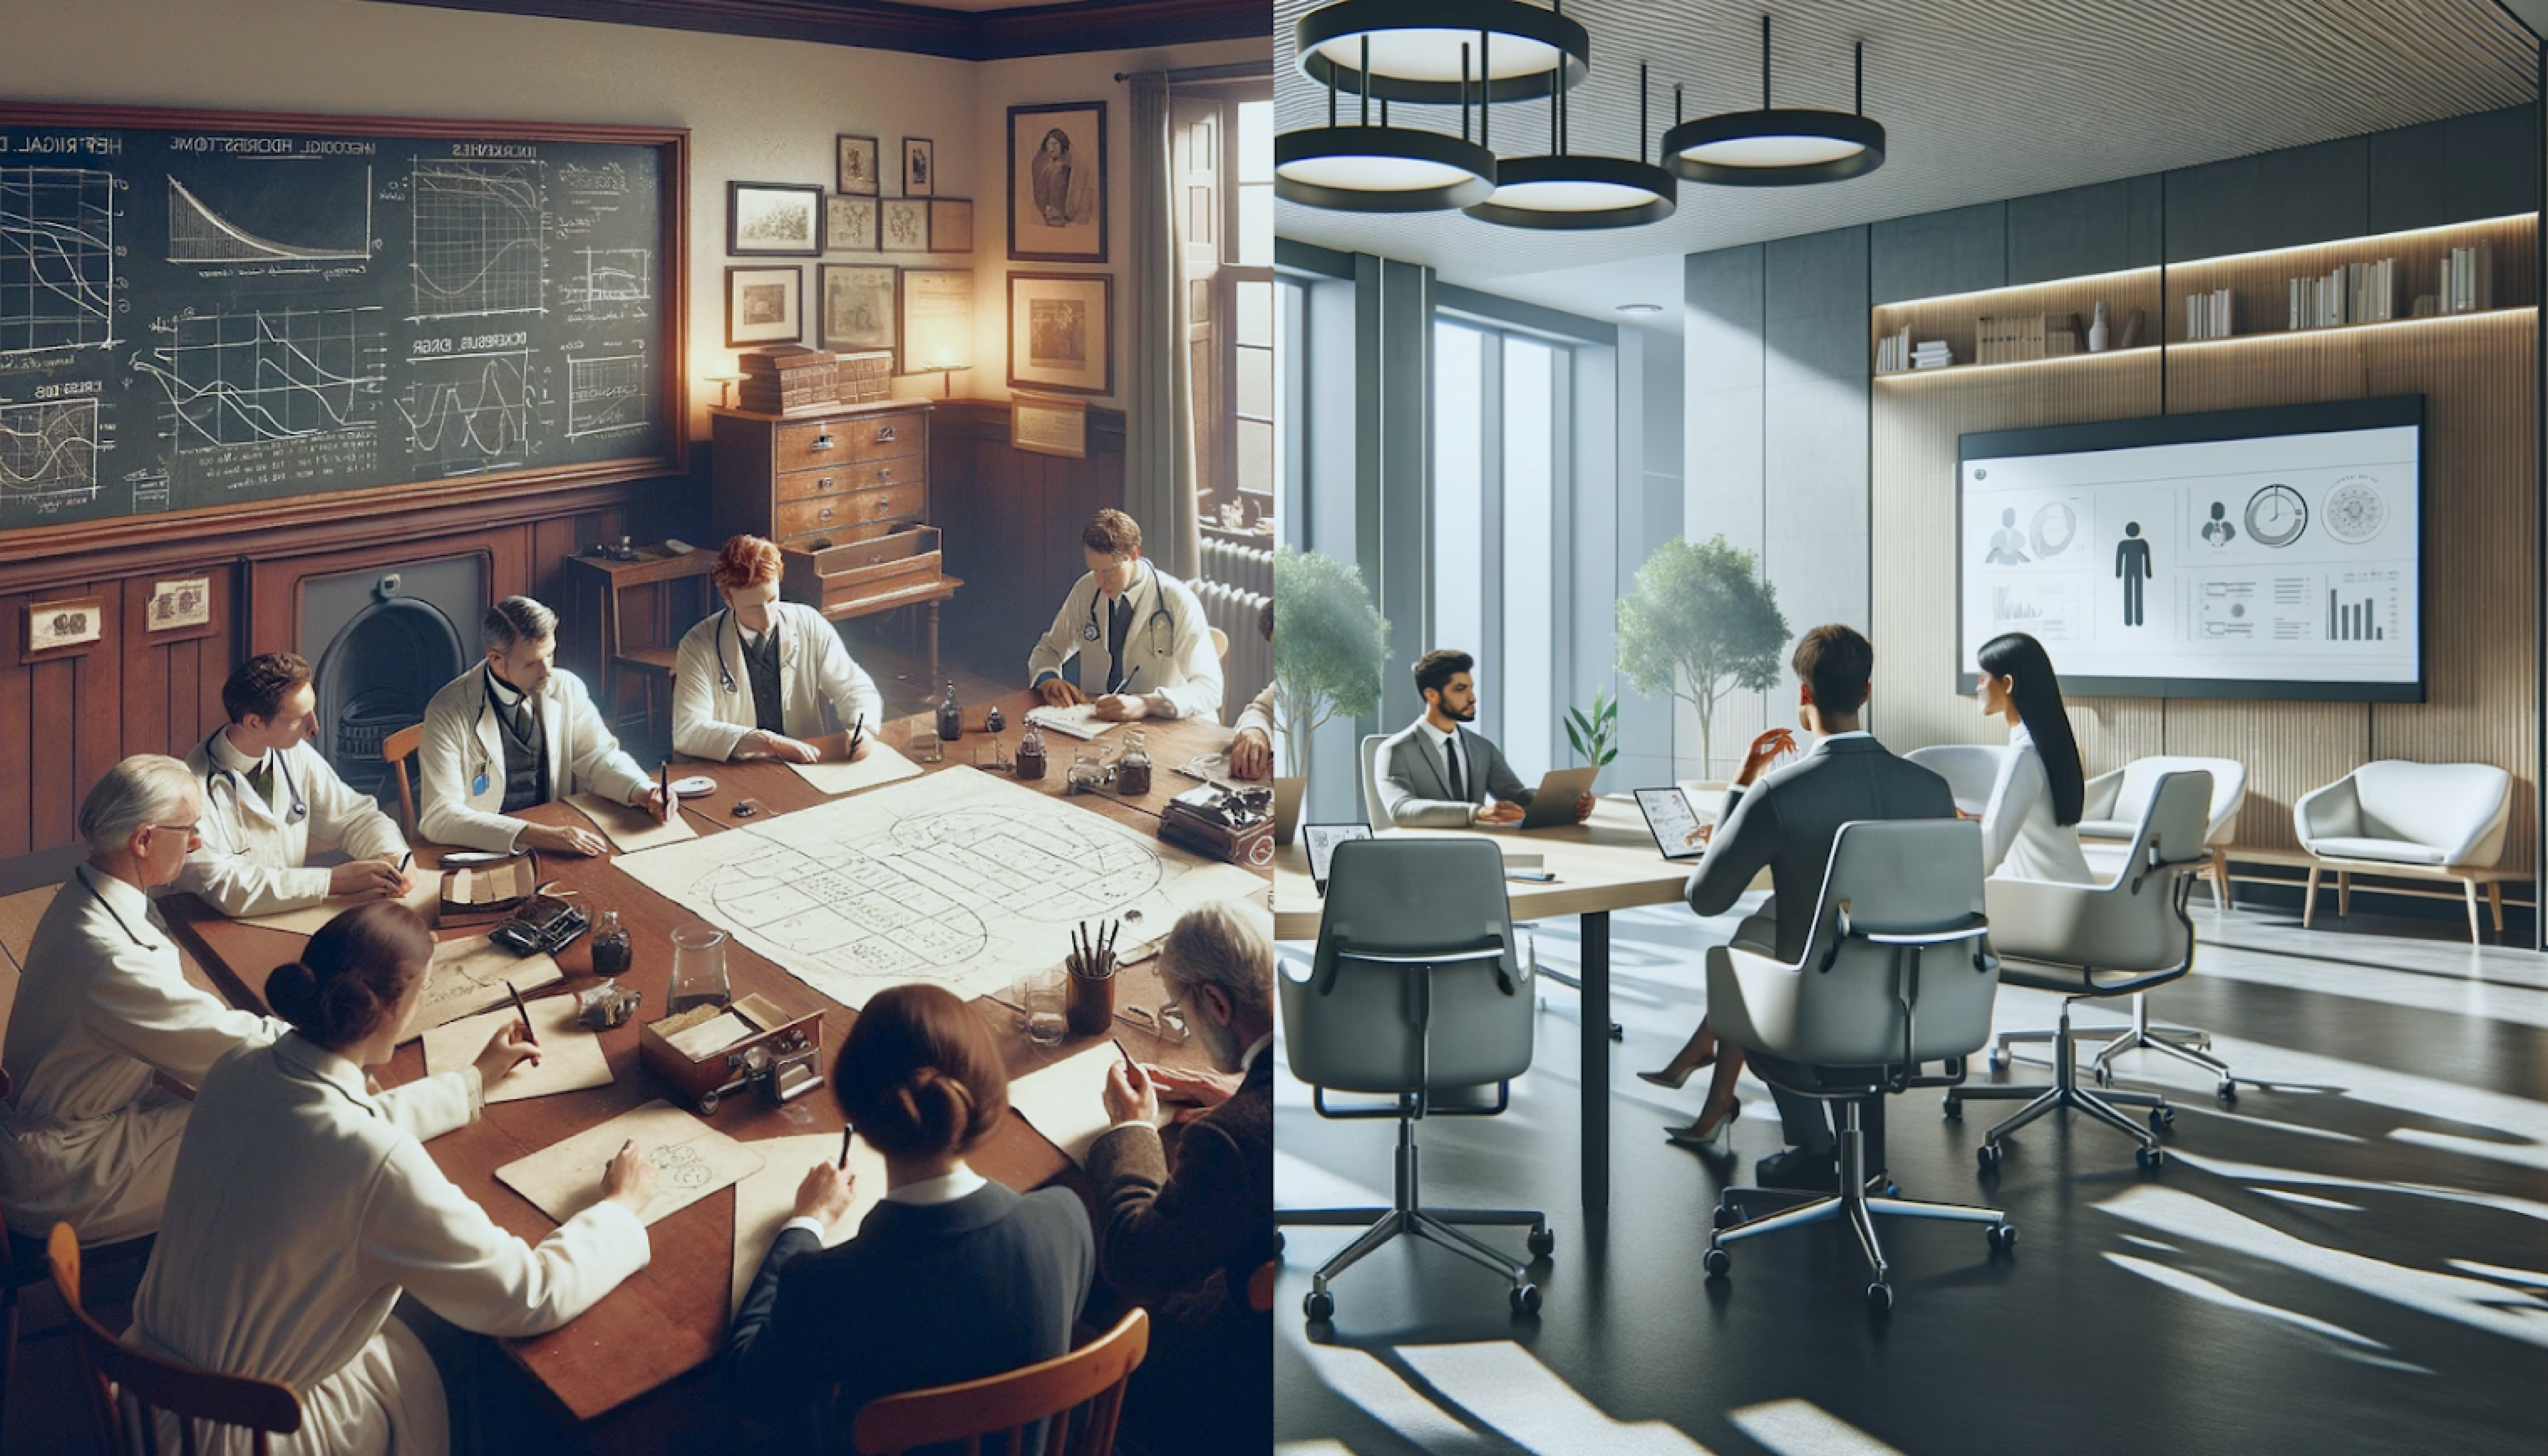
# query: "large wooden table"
669,1320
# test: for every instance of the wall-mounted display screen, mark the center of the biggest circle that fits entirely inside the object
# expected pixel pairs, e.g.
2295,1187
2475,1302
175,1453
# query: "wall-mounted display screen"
2243,553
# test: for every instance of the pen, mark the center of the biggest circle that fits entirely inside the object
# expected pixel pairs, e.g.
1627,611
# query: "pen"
857,733
664,784
406,859
844,1145
525,1013
1126,688
1119,1046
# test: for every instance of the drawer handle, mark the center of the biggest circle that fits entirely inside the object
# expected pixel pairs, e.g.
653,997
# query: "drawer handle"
882,506
876,560
822,441
885,434
886,474
824,514
824,483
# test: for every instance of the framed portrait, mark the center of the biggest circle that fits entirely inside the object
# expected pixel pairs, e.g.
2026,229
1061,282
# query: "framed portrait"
1057,182
951,224
1061,332
858,168
860,307
848,225
906,225
919,167
70,626
179,609
773,220
764,306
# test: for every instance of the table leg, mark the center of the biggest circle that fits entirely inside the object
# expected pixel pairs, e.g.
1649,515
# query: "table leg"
1596,1052
929,631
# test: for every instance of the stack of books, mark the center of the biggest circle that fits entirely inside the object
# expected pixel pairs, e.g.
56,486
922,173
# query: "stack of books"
1894,352
2468,279
778,378
2209,315
2010,338
1932,354
2355,293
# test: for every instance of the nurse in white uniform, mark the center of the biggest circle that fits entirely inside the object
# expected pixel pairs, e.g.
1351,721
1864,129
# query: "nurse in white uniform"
306,1206
1137,630
518,731
763,678
2031,825
268,793
88,1137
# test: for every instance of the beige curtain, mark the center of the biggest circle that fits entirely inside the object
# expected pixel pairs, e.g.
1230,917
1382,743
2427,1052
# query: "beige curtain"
1159,408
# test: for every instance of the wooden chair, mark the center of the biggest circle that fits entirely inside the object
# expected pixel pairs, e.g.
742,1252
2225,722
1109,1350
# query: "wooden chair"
1220,643
22,1267
115,1374
395,750
1090,1377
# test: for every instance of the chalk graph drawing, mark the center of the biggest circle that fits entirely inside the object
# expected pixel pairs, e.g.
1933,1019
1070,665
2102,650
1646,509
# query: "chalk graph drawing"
56,259
469,412
286,373
606,395
48,454
479,234
610,275
959,879
198,233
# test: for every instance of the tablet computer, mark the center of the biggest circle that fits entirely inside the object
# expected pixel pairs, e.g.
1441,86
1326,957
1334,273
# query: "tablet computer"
1322,840
1555,802
1673,823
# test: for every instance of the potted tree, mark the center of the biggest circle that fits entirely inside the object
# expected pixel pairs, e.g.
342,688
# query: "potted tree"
1328,644
1701,623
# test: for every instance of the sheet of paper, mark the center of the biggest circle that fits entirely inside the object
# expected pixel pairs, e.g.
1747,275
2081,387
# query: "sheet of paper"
571,1057
692,1160
765,1201
1065,1100
883,765
1079,720
424,898
710,1036
631,828
468,976
1212,769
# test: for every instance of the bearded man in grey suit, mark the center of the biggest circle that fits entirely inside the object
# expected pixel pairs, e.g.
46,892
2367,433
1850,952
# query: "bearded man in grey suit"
1433,773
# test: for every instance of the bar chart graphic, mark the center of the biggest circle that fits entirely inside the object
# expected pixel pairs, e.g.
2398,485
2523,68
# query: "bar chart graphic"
2351,621
2365,606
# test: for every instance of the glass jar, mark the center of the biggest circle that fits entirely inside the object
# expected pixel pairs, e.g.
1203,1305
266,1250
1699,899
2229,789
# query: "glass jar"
1031,754
1133,769
698,968
612,952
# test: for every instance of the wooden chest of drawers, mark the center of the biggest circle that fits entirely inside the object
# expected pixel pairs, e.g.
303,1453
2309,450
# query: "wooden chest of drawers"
802,479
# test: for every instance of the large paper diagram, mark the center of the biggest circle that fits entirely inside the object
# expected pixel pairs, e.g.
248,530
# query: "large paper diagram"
960,880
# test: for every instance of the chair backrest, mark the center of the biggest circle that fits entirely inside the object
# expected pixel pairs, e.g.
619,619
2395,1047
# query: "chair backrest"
2445,805
1220,642
2133,923
395,750
1416,984
1972,771
129,1389
1051,1391
1887,878
1374,812
2221,813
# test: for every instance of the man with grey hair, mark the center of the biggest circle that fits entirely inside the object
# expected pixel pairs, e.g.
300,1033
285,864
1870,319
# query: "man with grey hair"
514,731
88,1138
1185,1244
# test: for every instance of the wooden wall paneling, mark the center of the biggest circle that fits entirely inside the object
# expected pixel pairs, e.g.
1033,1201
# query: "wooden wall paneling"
16,743
98,679
148,687
52,736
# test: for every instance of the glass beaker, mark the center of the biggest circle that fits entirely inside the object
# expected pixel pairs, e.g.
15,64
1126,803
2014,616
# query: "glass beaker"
698,968
926,746
1044,995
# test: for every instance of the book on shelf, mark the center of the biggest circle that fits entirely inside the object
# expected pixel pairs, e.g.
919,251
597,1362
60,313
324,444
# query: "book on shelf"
2210,316
1894,352
2468,279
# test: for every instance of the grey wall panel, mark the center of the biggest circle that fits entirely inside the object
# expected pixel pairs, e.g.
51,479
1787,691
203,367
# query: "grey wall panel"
2080,230
1954,251
2409,185
2494,163
2305,194
1721,314
1331,331
1818,273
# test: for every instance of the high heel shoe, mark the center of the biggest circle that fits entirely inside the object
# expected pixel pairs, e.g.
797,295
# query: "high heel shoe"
1716,1138
1670,1082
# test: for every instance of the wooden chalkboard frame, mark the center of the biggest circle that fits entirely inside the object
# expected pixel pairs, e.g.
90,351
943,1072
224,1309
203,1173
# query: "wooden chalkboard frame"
379,504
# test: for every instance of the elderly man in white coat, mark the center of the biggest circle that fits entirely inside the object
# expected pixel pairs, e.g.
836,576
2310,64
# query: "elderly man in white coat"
268,793
88,1138
514,732
766,678
1144,625
304,1206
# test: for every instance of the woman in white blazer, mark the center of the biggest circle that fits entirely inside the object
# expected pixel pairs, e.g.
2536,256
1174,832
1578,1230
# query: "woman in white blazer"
738,694
2031,826
305,1207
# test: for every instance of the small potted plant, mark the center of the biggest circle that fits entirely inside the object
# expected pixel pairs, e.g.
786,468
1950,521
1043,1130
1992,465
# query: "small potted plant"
1596,735
1702,623
1329,645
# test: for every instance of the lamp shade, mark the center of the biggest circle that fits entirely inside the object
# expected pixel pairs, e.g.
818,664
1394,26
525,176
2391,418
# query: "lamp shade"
1380,169
1784,147
1414,55
1567,192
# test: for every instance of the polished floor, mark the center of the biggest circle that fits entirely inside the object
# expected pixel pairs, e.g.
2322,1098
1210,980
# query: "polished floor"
2353,1258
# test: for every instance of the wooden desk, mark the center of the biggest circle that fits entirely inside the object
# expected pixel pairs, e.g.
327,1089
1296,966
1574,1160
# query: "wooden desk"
670,1318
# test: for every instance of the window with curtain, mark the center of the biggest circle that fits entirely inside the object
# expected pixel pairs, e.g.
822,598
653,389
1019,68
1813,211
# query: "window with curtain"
1224,159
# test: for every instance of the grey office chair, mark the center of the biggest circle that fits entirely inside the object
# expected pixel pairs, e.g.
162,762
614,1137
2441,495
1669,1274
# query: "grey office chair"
1416,995
1898,974
2102,940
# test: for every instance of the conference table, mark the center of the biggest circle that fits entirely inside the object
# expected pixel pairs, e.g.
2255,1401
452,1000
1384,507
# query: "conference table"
1608,863
615,1368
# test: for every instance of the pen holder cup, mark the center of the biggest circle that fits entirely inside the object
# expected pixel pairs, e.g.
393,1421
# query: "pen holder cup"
1092,1005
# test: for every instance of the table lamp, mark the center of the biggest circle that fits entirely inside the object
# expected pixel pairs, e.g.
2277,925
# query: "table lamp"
942,343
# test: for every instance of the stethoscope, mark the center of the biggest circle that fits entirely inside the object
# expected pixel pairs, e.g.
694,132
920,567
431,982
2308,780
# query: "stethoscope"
109,907
1158,618
300,808
725,674
483,779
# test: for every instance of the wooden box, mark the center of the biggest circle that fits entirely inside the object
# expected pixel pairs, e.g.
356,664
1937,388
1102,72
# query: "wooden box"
706,1080
899,557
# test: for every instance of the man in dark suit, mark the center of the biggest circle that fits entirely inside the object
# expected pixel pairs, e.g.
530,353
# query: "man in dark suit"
1185,1242
1435,771
1786,823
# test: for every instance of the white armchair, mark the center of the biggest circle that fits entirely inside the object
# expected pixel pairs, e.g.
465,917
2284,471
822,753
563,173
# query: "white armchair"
2390,817
2117,801
1374,812
1971,771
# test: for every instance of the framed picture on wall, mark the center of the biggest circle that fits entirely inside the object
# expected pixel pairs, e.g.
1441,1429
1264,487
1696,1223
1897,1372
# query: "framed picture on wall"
860,307
179,609
773,220
1057,182
764,306
1061,332
859,176
848,225
919,167
951,224
66,627
906,225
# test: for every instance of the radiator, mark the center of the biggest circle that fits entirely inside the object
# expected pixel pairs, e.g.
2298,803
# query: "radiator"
1247,567
1249,665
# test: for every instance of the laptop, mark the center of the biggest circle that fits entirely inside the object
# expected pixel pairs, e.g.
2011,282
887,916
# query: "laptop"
1673,823
1554,804
1322,840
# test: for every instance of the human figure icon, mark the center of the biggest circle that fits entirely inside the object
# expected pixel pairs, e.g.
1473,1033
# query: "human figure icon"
2005,541
2217,531
2133,564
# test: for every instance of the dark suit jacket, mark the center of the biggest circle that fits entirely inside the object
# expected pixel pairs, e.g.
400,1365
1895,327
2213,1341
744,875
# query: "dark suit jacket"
1415,781
923,1296
1788,820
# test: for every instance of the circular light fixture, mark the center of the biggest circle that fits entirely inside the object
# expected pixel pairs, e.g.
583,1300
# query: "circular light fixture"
1413,48
1561,191
1777,146
1382,169
1637,308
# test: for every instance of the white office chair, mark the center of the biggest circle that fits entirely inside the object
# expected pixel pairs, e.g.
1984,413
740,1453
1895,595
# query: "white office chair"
1972,771
1897,974
1416,995
1374,812
2115,802
2431,821
2099,941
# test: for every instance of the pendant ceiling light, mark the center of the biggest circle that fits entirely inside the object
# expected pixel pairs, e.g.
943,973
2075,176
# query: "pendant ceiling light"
1411,49
1778,148
1363,169
1561,191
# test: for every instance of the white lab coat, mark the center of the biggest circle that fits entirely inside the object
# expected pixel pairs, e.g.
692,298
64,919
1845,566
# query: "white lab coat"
2020,841
821,690
253,853
302,1206
1169,645
460,765
86,1138
1258,714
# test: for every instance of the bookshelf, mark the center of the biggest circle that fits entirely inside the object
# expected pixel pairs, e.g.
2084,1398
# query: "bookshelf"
1957,318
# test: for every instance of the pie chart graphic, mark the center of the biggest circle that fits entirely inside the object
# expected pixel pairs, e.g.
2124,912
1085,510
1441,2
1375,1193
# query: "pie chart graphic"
2276,516
2355,512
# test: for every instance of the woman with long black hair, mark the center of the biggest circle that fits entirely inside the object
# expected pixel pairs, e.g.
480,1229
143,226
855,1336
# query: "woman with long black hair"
2029,829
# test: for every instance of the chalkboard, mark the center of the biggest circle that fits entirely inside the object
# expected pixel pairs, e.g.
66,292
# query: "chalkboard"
208,313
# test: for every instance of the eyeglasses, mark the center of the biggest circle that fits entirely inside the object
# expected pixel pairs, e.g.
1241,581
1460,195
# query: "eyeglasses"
189,830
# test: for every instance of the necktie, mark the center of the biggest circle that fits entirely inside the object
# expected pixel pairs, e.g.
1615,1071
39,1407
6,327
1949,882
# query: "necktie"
1459,775
522,723
261,779
1118,625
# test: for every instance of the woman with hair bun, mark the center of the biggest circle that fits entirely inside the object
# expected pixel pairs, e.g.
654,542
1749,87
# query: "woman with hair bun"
952,1277
304,1206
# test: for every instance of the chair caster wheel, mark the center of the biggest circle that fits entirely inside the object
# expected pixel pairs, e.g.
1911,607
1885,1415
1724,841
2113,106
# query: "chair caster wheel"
1718,1263
1879,1298
2161,1118
2002,1237
1278,1243
2228,1091
2104,1074
1543,1242
1525,1299
1988,1155
1618,1033
1954,1109
2151,1159
1319,1305
1725,1217
1998,1061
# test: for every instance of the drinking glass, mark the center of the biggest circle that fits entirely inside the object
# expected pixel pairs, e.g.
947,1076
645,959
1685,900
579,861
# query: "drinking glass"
1045,995
698,968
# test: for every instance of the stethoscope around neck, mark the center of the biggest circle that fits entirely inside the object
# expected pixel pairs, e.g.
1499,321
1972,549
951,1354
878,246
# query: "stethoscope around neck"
484,776
1159,617
214,773
725,617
